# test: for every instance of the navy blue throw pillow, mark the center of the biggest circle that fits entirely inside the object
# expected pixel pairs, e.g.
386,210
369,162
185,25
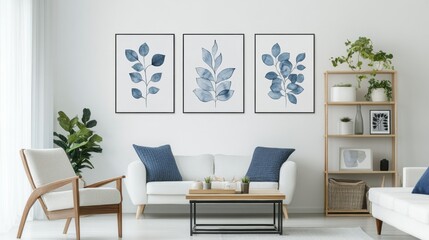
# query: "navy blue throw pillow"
422,186
159,162
266,163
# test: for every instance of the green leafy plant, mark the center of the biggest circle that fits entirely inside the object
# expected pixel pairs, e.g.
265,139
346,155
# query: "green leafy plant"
80,141
374,84
207,179
245,179
345,119
343,85
362,51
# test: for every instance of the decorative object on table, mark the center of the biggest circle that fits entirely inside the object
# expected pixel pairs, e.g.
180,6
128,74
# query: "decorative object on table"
144,73
230,185
355,159
266,163
284,73
380,122
159,163
384,165
343,92
197,185
361,53
379,90
213,73
245,182
358,121
346,126
207,184
80,142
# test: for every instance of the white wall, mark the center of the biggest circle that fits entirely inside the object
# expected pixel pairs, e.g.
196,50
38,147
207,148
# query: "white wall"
83,37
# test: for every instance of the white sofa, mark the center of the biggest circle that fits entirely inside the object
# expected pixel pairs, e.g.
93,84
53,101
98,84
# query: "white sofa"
196,168
400,208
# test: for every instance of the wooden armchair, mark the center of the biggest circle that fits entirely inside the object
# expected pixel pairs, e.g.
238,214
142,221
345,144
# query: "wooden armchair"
61,193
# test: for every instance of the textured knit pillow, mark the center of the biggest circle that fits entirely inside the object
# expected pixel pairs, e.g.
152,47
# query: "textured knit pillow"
422,186
266,163
159,162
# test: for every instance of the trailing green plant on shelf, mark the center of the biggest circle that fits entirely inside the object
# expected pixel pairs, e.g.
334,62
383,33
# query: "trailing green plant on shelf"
384,84
80,141
360,53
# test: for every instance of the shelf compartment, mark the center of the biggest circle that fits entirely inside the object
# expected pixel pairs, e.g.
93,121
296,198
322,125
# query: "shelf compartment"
359,172
361,136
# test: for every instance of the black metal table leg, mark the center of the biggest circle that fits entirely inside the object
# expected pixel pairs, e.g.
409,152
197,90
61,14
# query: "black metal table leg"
190,216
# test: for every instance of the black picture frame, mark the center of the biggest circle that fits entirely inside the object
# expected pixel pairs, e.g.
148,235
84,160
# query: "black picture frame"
193,43
380,122
158,43
264,44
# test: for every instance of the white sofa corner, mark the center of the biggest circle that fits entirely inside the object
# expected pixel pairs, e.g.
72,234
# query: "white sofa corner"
398,207
193,168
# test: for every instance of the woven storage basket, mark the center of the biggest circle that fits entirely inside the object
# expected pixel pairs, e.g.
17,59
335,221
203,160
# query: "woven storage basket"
346,194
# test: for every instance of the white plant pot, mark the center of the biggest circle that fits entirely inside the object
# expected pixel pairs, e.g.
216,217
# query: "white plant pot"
343,94
378,95
346,128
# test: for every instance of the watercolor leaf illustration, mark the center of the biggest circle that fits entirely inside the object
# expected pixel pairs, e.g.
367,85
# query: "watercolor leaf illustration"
213,85
285,77
141,71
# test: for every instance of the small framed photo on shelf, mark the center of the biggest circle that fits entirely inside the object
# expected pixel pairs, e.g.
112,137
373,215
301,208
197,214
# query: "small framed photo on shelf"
355,159
379,122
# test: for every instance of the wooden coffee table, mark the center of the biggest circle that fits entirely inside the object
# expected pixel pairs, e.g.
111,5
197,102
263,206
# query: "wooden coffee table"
264,196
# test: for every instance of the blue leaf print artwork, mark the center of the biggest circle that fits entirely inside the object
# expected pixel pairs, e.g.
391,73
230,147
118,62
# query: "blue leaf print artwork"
284,79
142,68
213,85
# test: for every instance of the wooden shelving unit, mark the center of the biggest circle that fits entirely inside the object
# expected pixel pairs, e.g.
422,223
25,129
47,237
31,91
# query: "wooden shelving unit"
331,135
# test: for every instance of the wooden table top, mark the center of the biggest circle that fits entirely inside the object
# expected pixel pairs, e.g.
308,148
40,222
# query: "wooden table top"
254,194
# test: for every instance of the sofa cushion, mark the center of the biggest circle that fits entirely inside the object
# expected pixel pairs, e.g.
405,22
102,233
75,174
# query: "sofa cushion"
422,186
231,167
159,162
266,163
264,185
87,197
169,188
195,168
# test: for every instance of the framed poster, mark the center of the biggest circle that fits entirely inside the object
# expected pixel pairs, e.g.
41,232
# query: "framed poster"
213,73
355,159
284,73
380,122
144,73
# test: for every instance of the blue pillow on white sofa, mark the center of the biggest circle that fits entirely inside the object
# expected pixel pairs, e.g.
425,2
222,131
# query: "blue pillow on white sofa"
159,162
266,163
422,186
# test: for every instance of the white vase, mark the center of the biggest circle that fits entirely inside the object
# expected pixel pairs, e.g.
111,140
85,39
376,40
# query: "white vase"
197,185
346,128
343,94
378,95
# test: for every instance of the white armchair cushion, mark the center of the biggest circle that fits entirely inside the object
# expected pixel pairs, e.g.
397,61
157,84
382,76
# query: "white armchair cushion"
87,197
49,165
193,168
230,167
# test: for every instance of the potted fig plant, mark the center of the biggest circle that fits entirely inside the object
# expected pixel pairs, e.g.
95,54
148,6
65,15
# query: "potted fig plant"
80,141
343,92
360,53
245,182
207,184
346,126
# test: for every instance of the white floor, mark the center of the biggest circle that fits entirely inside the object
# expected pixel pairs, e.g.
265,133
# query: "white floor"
163,226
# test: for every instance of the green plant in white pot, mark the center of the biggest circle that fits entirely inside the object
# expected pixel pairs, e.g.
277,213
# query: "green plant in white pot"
346,126
379,91
80,140
207,184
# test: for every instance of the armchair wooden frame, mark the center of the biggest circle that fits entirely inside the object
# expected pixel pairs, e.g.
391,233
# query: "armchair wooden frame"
77,210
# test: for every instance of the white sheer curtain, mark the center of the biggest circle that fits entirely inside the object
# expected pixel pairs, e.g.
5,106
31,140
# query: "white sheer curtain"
22,110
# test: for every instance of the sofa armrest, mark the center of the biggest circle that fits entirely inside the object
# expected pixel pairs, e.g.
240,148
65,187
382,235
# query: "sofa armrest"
411,175
287,180
136,182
